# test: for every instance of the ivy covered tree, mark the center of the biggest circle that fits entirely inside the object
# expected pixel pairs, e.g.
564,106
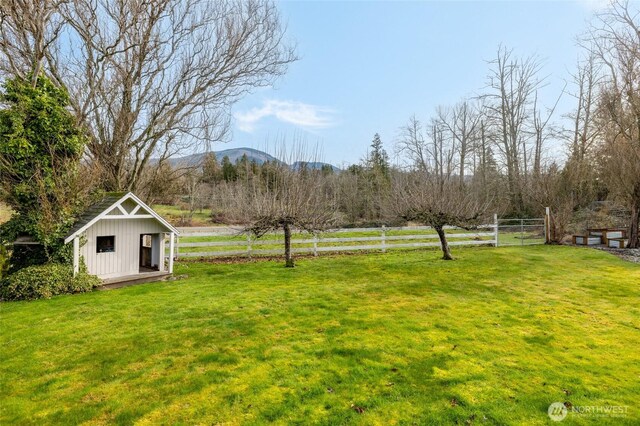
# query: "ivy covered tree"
40,152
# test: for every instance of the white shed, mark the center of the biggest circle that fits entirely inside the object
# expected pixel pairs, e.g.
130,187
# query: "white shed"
122,237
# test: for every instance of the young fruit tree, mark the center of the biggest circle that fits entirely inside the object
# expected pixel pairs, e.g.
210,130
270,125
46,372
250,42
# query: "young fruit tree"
287,200
421,198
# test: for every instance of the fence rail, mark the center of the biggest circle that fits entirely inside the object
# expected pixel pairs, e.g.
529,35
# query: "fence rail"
220,238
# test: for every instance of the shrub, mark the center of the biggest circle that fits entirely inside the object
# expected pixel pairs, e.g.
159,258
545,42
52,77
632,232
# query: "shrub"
4,261
44,281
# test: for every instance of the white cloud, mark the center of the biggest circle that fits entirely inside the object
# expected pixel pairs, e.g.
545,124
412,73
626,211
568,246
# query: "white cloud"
300,114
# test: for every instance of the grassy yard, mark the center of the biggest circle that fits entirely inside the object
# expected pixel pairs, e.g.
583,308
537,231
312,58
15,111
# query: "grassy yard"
174,214
492,338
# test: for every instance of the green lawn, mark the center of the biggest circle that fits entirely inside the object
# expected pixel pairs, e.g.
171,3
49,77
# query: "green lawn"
491,338
174,214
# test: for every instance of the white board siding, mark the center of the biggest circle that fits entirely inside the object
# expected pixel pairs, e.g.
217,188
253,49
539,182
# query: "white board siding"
125,260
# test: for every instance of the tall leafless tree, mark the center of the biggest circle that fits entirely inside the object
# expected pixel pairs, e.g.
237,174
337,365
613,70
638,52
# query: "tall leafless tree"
148,79
462,122
614,39
511,91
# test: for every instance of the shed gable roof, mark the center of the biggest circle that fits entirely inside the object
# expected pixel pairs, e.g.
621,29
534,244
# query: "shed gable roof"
110,202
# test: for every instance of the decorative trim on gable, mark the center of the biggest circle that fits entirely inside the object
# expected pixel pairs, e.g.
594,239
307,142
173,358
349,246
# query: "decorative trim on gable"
147,213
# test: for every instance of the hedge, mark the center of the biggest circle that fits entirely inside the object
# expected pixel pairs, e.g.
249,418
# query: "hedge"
45,281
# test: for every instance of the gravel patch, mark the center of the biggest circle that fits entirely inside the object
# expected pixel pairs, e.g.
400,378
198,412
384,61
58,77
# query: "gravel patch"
631,255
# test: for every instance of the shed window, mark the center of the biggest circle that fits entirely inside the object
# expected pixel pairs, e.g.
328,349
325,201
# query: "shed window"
106,244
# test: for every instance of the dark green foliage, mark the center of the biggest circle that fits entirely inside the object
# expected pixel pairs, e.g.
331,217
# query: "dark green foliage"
23,256
211,170
45,281
38,134
229,171
327,169
4,261
378,159
40,151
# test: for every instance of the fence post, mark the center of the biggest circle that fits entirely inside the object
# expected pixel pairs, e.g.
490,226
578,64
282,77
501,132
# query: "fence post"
495,224
315,244
521,232
249,245
384,239
547,225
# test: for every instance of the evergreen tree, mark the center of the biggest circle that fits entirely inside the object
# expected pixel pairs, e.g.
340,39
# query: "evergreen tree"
229,172
326,169
243,167
211,170
378,160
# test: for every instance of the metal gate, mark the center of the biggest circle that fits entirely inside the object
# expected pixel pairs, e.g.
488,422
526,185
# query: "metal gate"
520,232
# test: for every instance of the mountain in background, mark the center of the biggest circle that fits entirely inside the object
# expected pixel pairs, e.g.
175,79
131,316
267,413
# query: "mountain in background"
236,154
312,165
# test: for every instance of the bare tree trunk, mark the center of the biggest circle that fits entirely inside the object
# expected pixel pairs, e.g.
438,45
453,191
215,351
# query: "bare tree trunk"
446,253
288,260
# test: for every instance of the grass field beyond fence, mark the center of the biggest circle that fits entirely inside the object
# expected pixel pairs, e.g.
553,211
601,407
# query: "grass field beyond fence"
491,338
224,241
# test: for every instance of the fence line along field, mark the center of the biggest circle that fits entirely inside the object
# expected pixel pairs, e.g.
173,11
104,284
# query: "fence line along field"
232,241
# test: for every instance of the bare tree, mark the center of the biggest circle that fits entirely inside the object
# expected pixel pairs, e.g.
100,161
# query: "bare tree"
614,39
584,133
512,87
289,199
432,150
28,29
148,79
462,122
427,200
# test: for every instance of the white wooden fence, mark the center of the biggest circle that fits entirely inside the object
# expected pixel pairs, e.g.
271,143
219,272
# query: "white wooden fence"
315,244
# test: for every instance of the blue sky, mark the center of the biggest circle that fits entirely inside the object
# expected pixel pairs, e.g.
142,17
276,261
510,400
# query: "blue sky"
366,67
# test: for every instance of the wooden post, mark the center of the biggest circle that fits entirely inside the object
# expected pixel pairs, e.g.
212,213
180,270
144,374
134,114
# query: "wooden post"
162,266
547,225
495,224
521,232
249,246
384,239
315,244
76,256
171,251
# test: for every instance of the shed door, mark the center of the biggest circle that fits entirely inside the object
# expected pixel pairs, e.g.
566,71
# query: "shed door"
145,250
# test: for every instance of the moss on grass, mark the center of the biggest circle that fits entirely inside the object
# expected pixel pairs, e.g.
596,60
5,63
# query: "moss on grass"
491,338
